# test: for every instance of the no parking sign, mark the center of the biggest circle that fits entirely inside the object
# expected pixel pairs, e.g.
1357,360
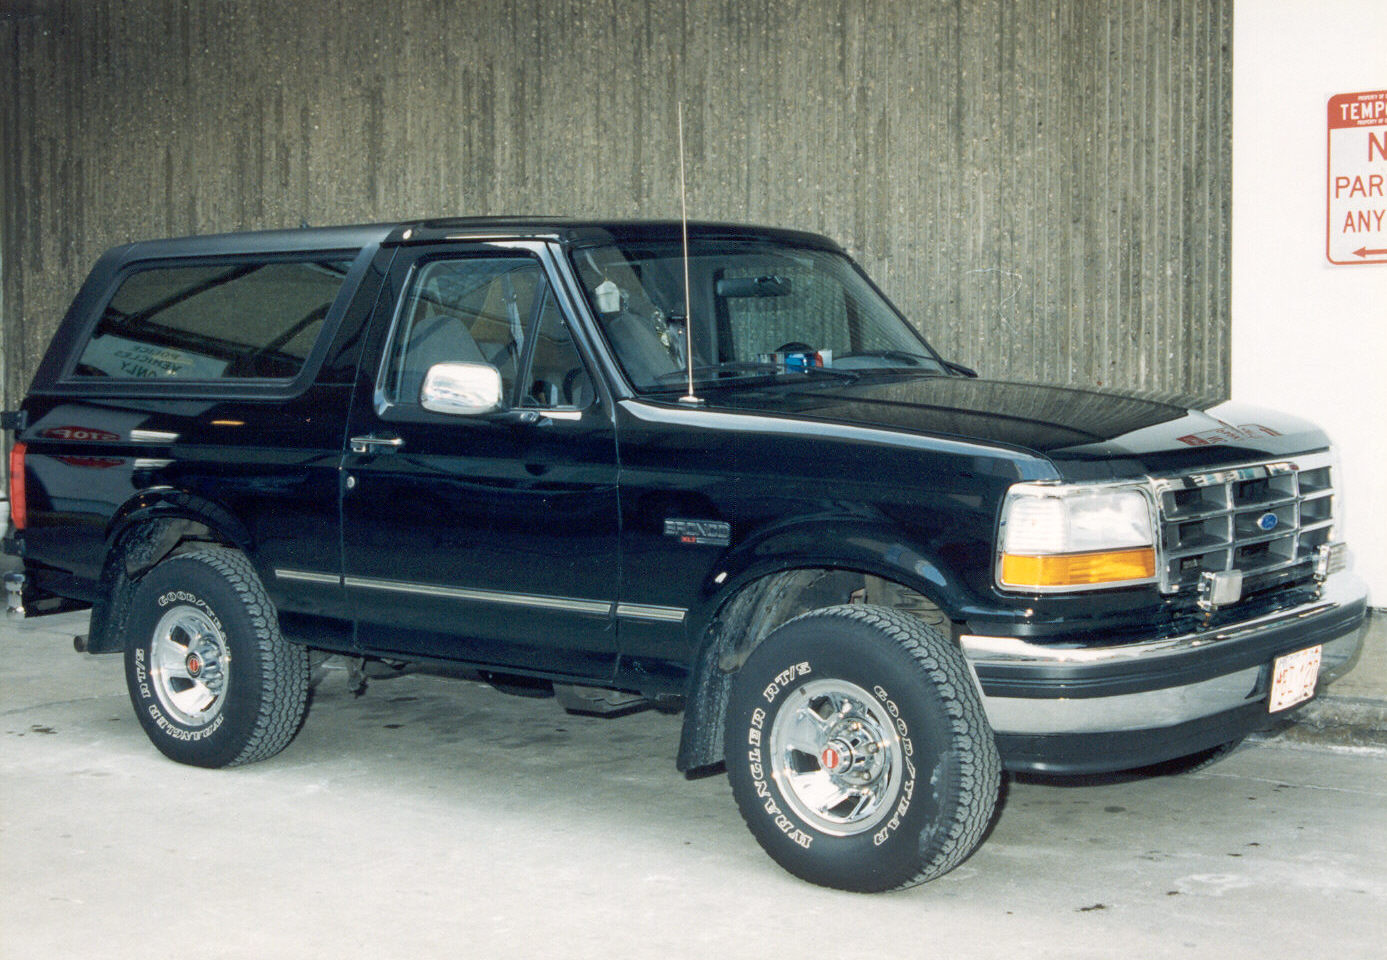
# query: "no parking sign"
1356,219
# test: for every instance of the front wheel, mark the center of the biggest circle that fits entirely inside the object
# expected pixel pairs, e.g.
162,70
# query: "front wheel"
212,681
858,750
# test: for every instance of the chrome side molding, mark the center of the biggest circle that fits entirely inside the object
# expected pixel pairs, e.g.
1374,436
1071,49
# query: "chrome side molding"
580,605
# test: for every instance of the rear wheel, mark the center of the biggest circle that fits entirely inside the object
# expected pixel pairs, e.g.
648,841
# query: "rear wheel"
212,681
858,750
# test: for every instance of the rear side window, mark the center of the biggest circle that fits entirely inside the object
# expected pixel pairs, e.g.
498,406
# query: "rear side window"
213,321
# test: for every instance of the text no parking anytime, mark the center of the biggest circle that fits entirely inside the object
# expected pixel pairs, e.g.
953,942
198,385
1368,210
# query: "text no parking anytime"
1356,208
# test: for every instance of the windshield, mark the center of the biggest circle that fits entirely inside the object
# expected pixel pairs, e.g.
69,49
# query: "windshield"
761,308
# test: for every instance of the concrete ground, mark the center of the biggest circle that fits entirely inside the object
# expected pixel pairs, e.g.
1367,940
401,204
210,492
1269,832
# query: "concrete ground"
434,818
1354,710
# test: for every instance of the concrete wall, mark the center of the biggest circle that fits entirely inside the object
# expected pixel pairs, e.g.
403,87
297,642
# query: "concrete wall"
1309,335
1042,185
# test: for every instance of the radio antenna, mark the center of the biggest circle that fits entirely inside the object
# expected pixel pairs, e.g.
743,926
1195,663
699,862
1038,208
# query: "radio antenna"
691,397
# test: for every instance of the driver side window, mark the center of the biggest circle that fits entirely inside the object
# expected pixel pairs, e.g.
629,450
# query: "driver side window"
494,310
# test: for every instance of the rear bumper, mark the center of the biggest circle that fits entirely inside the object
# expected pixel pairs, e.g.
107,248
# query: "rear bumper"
1087,709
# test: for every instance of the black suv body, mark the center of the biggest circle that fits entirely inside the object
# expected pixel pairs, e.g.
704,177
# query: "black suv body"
479,446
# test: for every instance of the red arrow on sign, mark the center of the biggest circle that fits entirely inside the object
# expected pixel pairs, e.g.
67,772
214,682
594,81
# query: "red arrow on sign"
1365,252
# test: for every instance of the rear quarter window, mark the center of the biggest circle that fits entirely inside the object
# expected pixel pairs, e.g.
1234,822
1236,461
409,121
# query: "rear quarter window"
248,319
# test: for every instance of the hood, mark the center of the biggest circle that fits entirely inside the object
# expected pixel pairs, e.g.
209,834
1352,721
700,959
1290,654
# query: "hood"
1087,434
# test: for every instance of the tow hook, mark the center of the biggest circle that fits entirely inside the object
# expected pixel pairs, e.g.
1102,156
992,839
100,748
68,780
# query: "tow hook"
14,596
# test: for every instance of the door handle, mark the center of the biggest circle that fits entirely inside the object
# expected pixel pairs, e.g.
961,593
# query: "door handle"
372,444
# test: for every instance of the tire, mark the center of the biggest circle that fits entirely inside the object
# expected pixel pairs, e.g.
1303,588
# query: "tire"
858,750
212,681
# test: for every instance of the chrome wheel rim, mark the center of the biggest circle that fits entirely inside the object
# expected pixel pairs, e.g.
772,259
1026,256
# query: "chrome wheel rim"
190,666
837,757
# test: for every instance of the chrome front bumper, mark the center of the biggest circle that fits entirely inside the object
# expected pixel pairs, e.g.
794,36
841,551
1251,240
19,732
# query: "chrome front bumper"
1032,690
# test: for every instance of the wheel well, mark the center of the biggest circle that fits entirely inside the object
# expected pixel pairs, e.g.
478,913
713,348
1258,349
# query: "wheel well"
135,551
749,616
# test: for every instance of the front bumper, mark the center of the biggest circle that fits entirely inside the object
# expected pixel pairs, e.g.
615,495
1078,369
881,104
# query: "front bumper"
1088,709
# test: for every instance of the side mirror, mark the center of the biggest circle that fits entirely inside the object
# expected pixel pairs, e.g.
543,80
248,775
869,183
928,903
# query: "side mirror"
461,389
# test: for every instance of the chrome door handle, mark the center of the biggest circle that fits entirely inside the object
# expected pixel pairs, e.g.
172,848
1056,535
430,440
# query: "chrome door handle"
370,444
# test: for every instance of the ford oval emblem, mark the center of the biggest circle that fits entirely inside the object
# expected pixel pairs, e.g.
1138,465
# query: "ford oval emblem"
1267,522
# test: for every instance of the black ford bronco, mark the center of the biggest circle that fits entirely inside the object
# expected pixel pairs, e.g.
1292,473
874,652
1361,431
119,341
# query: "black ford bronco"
595,460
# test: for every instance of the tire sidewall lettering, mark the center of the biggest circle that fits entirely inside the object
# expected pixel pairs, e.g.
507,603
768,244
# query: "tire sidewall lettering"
142,674
785,678
165,724
173,729
908,779
756,761
192,600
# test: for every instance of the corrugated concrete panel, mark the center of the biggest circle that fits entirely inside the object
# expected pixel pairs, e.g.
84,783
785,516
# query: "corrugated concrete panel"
1042,185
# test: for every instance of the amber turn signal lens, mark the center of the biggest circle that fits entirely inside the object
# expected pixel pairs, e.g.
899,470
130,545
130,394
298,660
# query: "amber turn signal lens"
1079,569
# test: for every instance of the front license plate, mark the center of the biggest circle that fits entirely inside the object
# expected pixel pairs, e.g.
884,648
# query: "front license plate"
1293,678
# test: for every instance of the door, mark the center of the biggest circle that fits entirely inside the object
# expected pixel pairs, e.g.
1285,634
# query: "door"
488,539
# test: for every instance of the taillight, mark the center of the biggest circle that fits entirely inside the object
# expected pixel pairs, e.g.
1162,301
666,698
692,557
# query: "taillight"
19,510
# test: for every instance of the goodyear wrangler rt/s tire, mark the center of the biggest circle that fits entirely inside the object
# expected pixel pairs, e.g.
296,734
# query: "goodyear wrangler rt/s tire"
212,681
858,750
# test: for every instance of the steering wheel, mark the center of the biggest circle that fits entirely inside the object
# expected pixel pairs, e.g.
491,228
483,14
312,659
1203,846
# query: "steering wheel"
577,388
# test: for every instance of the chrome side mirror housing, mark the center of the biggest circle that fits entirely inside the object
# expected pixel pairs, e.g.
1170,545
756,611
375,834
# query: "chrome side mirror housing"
462,389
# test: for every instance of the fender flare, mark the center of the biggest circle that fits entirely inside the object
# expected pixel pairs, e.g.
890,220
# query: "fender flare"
145,530
863,545
171,503
855,545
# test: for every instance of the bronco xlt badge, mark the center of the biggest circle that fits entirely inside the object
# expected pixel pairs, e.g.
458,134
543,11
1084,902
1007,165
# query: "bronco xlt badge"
713,533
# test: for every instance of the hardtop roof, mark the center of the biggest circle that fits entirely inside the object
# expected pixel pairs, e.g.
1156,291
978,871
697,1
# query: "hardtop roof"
564,230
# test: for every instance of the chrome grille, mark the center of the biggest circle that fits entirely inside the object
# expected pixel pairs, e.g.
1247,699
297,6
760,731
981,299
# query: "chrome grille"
1259,518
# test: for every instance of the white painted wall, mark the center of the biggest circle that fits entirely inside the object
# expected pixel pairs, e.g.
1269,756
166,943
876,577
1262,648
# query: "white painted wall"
1308,336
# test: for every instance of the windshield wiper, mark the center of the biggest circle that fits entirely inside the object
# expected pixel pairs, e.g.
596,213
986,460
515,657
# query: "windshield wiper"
824,371
753,367
900,356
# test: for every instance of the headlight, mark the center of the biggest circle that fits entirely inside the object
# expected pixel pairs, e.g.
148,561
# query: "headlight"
1072,537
